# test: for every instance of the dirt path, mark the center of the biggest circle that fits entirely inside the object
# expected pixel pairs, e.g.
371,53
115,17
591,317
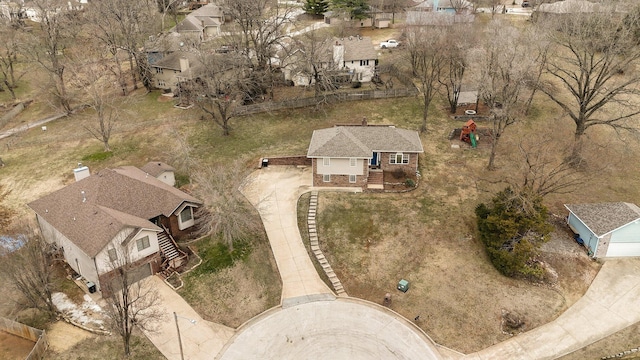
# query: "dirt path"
63,336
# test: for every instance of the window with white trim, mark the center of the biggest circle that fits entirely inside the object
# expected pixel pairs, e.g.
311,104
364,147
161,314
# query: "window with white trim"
399,158
161,83
353,161
326,161
326,178
143,243
113,255
352,179
158,70
186,214
364,62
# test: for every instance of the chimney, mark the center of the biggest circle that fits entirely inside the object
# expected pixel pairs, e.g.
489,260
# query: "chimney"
81,172
364,121
184,64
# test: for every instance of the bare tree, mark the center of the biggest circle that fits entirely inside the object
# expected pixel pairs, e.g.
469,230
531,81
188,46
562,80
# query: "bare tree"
47,46
312,58
262,27
126,25
94,78
28,270
13,40
594,60
503,67
226,211
130,301
427,60
221,86
544,170
455,63
5,212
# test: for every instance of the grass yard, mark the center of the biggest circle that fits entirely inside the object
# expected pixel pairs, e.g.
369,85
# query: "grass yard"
426,236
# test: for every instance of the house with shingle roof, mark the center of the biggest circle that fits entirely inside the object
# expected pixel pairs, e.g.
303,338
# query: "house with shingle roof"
204,23
174,68
353,155
357,55
114,215
606,229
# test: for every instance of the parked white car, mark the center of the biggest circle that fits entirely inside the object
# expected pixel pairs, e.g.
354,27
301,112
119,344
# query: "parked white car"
389,44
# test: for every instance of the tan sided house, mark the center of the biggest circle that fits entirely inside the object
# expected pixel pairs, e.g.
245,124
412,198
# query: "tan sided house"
117,214
353,155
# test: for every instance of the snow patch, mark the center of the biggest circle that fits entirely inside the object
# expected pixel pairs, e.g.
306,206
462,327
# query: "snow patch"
87,314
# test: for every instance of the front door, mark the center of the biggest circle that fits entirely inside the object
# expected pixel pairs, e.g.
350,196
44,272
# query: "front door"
375,159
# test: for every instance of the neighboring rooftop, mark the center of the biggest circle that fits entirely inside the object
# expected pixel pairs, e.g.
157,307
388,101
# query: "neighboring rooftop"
357,48
603,218
92,211
155,168
361,141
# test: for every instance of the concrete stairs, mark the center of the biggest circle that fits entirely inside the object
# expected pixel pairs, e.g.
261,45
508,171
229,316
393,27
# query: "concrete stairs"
375,179
315,246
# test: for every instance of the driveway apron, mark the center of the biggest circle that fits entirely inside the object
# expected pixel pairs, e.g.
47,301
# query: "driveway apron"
201,340
611,304
274,192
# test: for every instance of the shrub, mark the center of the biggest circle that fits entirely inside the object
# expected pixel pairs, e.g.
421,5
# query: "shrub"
410,183
512,228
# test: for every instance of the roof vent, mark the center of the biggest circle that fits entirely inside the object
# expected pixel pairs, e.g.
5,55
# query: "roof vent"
81,172
84,196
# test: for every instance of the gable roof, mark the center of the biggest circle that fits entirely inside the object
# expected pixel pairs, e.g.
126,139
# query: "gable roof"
155,168
208,15
358,48
603,218
92,211
361,141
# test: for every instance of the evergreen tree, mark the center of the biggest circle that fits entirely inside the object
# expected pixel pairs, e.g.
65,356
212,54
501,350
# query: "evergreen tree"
355,9
512,228
316,7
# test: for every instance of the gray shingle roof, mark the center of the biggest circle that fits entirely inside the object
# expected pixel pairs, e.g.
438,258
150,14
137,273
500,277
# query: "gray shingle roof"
361,141
155,168
113,201
208,15
358,48
603,218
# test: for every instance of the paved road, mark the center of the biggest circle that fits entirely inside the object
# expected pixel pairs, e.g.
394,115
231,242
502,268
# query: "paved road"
274,192
611,304
337,329
200,341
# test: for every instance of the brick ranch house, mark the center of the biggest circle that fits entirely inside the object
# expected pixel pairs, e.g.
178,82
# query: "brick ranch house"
116,217
358,155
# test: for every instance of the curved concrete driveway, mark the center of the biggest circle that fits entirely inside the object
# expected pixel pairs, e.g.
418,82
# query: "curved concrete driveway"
312,323
611,304
274,192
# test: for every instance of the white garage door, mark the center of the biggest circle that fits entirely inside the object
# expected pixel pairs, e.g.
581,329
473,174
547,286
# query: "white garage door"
623,249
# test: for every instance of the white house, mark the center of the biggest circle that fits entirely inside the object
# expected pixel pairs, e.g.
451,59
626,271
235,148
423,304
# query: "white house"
357,54
606,229
116,217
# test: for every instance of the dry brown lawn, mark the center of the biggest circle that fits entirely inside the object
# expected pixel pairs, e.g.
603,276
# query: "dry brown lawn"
427,236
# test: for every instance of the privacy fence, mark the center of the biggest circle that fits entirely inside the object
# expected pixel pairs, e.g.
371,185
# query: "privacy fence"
29,333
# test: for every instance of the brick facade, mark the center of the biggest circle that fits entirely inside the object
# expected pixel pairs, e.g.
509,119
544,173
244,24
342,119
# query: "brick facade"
171,223
105,280
411,167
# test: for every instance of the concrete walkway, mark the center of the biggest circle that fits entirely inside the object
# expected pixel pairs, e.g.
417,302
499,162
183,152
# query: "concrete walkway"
274,192
201,340
21,128
611,304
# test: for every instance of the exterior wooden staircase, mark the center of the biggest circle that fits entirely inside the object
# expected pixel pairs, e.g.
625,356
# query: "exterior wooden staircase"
172,256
